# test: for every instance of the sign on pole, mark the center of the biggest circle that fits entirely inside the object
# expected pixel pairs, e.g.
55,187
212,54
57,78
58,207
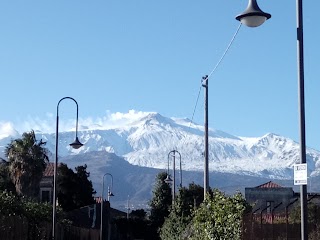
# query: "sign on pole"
300,174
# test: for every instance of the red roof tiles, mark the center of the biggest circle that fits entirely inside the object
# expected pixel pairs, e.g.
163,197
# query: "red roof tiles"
49,171
269,185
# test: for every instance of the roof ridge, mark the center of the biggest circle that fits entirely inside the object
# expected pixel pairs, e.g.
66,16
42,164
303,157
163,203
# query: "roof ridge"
269,184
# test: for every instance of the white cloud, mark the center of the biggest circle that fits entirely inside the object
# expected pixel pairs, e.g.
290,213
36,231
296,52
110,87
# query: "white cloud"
48,124
7,129
112,120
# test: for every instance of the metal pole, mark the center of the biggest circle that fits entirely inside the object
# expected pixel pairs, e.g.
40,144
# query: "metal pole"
180,169
173,152
206,138
108,194
102,193
55,182
75,144
174,177
108,225
101,209
300,60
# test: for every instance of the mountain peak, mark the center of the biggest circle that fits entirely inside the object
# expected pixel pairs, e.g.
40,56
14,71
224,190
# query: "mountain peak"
154,117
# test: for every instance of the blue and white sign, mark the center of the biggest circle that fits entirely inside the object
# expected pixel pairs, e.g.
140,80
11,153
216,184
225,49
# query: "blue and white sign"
300,174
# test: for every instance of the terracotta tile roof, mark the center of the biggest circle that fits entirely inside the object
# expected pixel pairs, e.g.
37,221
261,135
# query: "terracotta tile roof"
48,172
97,199
269,185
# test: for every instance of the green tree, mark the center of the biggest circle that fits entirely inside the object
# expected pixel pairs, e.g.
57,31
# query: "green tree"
219,217
161,201
74,189
27,160
313,211
139,213
85,189
5,181
181,213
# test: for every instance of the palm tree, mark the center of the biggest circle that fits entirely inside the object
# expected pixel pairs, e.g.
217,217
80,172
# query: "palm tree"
27,160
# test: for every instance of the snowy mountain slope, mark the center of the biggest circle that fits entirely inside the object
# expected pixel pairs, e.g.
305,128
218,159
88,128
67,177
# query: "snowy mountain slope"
147,141
136,183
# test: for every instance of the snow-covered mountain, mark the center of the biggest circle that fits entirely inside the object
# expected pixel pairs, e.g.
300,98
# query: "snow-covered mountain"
147,141
135,152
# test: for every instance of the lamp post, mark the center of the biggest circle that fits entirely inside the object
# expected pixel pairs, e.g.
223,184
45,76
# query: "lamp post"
254,17
110,194
76,144
168,178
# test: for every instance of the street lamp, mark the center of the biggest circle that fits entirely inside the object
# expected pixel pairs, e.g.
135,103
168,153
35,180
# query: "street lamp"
76,144
253,17
110,194
168,178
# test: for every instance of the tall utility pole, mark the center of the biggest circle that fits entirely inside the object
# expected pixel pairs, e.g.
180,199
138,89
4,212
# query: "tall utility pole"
206,137
303,158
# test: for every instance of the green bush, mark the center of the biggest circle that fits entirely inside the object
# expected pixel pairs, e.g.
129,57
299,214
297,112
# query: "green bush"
12,205
219,217
9,204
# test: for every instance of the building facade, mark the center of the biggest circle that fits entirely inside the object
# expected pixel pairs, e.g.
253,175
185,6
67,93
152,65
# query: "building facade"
268,196
46,184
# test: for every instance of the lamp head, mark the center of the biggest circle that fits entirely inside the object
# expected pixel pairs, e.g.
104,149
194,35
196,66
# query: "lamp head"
253,16
111,194
168,179
76,144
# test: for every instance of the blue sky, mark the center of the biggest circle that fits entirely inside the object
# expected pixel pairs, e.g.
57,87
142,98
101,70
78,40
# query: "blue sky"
114,56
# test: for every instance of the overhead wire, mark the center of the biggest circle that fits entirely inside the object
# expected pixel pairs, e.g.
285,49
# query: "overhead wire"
215,68
208,76
226,51
212,71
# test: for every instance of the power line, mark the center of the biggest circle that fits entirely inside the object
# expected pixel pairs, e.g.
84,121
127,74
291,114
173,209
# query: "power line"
226,51
214,69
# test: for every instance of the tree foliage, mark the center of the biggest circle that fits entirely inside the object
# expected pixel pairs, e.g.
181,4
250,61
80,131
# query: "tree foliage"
161,201
139,213
75,190
181,213
27,160
219,217
36,211
313,211
9,204
5,181
12,205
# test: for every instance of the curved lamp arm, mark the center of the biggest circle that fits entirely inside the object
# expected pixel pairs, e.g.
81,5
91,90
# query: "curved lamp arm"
103,184
76,144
